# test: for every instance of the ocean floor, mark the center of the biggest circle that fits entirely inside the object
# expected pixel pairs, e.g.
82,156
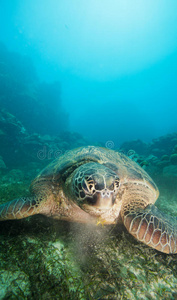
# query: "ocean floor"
45,259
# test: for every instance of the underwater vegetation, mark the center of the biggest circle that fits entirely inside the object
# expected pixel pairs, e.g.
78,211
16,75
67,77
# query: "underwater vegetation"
43,260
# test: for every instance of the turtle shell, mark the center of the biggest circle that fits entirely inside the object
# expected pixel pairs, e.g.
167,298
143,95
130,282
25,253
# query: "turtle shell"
64,165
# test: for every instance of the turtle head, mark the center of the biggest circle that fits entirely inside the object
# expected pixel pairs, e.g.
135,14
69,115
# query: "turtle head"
95,185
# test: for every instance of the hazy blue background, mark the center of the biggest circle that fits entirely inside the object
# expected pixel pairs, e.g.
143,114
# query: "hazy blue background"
116,61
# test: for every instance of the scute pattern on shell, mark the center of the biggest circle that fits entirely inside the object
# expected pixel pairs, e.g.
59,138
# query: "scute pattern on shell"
123,166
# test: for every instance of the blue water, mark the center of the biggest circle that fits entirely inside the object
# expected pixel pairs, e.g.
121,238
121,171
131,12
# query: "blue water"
115,61
74,72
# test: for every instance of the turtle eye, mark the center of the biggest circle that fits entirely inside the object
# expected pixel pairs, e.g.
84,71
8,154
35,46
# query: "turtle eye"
85,186
88,186
116,184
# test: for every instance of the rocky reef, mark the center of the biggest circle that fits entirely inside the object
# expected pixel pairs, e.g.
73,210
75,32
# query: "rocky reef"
158,158
37,105
19,147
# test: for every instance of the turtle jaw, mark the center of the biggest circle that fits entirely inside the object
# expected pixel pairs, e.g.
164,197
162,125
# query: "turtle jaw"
104,214
101,209
103,200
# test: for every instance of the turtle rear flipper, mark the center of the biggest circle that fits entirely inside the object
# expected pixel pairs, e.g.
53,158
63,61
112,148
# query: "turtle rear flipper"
153,228
19,208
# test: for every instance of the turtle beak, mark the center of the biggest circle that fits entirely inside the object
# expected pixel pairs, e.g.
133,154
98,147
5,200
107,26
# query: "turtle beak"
105,199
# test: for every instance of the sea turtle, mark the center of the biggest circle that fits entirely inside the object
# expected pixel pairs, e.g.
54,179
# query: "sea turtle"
97,185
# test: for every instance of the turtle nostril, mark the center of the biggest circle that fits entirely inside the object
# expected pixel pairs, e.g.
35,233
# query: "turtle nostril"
105,193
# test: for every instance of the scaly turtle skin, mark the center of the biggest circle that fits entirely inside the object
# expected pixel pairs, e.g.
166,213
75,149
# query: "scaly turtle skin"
97,185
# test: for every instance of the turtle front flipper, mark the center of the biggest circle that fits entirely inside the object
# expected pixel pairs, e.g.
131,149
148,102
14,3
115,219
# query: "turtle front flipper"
152,227
19,208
